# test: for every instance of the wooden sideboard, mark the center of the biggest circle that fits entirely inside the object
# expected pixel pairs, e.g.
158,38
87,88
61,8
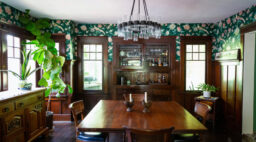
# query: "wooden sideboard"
22,115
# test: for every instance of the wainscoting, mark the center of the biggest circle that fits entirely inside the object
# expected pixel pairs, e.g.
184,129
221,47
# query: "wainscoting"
228,78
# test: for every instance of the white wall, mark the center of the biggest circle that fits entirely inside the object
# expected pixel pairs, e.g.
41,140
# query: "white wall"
248,83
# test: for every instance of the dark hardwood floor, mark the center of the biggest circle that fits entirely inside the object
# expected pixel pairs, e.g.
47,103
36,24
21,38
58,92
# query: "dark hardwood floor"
65,132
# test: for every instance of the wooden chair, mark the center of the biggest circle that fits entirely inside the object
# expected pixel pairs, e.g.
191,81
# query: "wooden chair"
201,111
162,135
135,97
77,108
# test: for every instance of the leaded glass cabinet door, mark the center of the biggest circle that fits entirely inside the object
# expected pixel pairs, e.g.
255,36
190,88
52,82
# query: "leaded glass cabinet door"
130,56
157,55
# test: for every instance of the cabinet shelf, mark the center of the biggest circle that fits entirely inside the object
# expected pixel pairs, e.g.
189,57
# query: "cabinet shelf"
144,53
159,86
146,69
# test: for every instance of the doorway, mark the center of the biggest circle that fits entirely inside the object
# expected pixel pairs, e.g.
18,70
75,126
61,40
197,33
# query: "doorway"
248,41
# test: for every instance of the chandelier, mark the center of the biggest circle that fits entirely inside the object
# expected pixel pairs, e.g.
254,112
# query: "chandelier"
138,26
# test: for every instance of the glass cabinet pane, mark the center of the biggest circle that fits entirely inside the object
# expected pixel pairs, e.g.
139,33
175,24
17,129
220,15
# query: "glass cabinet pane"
157,56
130,55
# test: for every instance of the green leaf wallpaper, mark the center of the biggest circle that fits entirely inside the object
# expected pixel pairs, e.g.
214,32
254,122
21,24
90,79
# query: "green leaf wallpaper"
226,33
67,27
9,14
178,30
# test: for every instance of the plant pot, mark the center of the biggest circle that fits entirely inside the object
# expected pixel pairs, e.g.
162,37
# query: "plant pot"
49,119
23,85
207,94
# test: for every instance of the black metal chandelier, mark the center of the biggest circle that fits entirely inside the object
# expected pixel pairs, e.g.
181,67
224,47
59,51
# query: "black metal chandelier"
138,26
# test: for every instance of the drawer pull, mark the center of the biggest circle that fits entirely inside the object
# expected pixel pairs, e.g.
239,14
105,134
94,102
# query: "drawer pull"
21,104
39,97
5,109
39,106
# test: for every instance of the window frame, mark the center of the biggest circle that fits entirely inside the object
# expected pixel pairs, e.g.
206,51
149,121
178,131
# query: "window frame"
13,30
93,40
185,40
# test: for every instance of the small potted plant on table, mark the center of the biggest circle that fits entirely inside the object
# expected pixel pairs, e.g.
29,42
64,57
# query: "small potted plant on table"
25,72
207,89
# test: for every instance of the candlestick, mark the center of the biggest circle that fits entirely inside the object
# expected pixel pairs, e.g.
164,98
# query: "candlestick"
146,97
130,97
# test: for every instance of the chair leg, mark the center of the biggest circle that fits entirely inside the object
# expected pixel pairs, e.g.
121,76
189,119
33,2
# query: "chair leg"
124,136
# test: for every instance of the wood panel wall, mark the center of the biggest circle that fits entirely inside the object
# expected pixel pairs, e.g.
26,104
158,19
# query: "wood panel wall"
228,78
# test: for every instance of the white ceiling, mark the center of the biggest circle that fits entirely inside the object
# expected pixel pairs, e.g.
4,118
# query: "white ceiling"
110,11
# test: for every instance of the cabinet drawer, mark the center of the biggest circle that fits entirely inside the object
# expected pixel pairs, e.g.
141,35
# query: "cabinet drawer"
6,108
29,100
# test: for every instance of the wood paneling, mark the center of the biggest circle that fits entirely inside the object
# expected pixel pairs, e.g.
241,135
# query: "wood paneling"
4,66
228,78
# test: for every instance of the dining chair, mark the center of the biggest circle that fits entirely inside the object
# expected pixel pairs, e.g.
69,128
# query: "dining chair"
77,108
201,111
135,97
138,135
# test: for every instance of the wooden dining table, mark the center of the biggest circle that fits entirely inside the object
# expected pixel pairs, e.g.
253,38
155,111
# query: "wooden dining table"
111,116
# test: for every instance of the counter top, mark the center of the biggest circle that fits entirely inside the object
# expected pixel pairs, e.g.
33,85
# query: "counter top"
7,95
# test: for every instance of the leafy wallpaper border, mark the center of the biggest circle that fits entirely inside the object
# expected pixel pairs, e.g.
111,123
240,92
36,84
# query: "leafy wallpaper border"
225,33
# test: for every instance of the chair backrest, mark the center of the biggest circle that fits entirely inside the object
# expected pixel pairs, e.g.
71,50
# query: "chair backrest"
77,108
135,97
202,110
163,134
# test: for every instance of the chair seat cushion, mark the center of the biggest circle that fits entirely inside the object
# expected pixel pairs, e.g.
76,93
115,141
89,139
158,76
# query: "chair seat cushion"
92,136
186,137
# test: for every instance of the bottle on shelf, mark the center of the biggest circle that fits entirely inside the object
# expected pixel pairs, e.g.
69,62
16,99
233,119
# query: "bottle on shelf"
156,62
150,62
164,79
160,62
159,78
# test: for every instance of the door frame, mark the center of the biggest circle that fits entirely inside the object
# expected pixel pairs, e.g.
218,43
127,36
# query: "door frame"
244,30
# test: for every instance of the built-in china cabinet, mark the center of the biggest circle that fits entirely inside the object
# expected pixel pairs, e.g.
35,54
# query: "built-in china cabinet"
143,66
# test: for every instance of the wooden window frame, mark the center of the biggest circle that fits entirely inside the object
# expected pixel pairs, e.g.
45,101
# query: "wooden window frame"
93,40
13,30
207,40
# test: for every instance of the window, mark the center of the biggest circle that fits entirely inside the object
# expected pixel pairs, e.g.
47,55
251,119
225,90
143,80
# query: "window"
195,65
92,63
57,46
31,64
14,60
92,75
195,61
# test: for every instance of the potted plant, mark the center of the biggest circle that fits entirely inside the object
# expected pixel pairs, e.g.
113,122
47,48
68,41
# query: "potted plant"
46,56
207,89
25,72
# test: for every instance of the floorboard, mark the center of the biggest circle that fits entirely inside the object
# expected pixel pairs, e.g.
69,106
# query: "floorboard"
65,132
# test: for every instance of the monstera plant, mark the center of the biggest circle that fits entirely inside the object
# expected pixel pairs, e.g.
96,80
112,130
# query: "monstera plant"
45,53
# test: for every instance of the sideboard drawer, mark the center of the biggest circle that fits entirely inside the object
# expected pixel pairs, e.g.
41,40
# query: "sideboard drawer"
29,100
6,108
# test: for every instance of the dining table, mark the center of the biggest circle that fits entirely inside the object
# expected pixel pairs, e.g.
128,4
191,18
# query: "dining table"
111,116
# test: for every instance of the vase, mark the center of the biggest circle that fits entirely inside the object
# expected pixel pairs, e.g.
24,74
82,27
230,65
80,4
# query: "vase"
207,94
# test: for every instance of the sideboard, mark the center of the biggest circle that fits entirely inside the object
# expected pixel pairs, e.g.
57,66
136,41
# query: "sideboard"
22,115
